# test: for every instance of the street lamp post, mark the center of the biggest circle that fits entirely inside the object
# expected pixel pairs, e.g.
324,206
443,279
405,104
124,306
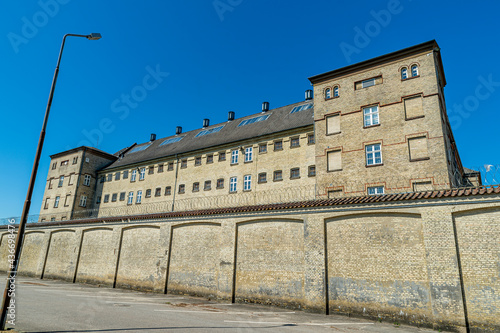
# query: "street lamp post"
13,264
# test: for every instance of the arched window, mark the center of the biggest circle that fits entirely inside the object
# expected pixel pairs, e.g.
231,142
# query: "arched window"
414,70
328,93
404,73
336,92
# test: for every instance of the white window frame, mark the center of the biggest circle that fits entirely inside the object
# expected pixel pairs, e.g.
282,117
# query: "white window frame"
86,180
233,182
133,176
414,70
371,154
328,93
138,199
371,116
404,73
234,156
142,174
336,91
130,199
56,202
83,201
376,190
247,183
368,83
248,154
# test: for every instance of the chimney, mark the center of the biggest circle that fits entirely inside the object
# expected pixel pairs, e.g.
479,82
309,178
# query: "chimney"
309,94
153,137
178,130
230,116
206,123
265,106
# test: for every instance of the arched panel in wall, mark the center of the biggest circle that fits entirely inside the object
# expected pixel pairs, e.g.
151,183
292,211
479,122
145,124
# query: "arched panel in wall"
139,261
270,262
478,236
97,262
194,259
32,254
376,264
61,257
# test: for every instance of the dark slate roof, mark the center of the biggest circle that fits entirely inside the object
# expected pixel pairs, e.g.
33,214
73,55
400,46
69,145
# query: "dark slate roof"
280,119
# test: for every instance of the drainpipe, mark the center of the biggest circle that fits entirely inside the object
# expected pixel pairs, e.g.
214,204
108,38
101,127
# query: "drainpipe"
175,182
78,183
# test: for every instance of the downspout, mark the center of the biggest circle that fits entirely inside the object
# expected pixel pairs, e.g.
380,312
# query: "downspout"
175,182
78,183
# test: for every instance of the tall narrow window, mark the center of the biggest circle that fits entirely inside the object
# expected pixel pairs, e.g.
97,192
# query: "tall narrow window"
130,199
373,154
220,183
168,190
248,154
404,73
142,174
139,197
328,93
247,183
234,156
414,70
371,116
83,201
133,175
336,92
86,180
232,184
182,188
61,181
56,202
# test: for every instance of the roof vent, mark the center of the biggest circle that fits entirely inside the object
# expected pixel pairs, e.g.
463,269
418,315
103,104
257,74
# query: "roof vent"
153,137
230,116
265,106
178,130
309,94
206,123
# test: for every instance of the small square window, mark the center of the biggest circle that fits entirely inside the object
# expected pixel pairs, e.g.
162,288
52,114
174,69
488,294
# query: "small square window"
184,163
311,171
294,142
208,185
210,158
148,193
278,145
220,183
373,154
197,160
114,197
196,187
151,170
106,198
160,167
310,139
122,196
168,190
278,175
170,166
222,156
262,177
182,188
263,148
294,173
158,192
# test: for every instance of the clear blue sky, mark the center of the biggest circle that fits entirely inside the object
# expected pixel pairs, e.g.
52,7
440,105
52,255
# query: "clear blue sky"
220,56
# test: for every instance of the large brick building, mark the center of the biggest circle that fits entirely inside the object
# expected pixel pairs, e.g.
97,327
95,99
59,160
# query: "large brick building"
379,126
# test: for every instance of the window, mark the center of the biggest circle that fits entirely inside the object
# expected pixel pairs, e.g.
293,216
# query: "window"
71,178
168,190
336,91
182,188
110,177
130,198
122,196
209,131
98,201
294,173
222,156
208,185
148,193
64,163
46,206
140,148
373,154
210,158
220,183
414,70
170,166
334,160
103,179
172,140
50,183
75,160
61,181
262,178
52,219
294,142
367,83
184,163
310,139
253,120
142,174
328,93
232,184
234,156
278,145
138,199
117,175
86,180
56,202
83,201
114,197
263,148
54,165
371,116
151,170
311,171
302,107
247,183
197,160
196,187
106,198
248,154
418,149
160,167
158,192
375,190
133,176
333,124
404,73
278,175
87,160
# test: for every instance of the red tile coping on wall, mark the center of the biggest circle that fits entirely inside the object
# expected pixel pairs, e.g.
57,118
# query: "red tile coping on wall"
478,191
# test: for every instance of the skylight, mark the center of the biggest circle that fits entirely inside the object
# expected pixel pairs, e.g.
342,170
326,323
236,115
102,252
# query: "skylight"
209,131
172,140
253,120
140,148
302,107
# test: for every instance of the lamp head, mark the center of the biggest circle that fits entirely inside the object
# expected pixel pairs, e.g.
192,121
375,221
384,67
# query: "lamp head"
94,36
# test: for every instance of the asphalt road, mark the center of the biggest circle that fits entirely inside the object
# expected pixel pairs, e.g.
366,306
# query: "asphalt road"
55,306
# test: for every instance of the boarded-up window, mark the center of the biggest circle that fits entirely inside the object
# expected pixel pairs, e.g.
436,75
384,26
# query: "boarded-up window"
335,194
368,83
71,178
414,107
333,124
418,148
422,186
334,160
